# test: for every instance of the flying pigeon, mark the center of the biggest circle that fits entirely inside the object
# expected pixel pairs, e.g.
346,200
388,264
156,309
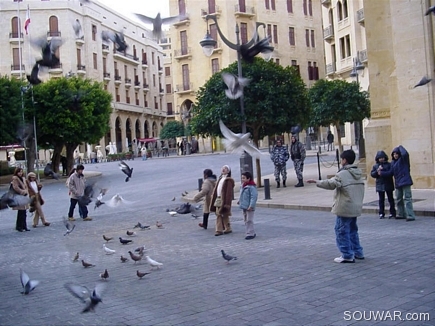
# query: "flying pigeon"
235,85
430,10
248,53
116,38
107,238
117,200
153,263
12,199
134,257
33,77
104,275
131,233
86,199
78,31
69,226
423,82
85,295
157,23
76,258
238,142
48,48
140,274
228,258
48,172
108,250
142,227
28,284
123,259
124,241
126,169
86,265
99,201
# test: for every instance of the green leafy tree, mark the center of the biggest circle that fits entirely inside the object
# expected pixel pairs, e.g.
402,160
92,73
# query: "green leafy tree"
336,102
11,113
274,101
70,111
172,129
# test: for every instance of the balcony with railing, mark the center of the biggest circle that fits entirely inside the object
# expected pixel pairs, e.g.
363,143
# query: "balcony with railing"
184,88
81,70
183,53
16,70
126,57
184,21
328,33
144,64
106,76
127,82
244,11
105,49
137,84
54,34
56,69
118,79
15,38
80,41
146,87
161,92
360,16
330,68
160,70
211,11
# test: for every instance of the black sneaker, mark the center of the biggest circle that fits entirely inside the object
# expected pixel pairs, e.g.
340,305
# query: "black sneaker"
250,237
359,258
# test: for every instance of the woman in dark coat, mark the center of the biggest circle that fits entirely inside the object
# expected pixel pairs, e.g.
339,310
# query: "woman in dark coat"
384,184
20,187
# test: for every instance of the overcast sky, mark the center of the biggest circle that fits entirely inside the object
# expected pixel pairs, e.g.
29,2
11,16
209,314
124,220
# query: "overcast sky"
146,7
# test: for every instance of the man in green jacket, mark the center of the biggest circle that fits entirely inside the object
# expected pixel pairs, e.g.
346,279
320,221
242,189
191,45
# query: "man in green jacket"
348,189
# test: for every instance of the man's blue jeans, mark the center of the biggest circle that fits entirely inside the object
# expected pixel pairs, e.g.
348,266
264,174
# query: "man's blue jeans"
404,202
346,236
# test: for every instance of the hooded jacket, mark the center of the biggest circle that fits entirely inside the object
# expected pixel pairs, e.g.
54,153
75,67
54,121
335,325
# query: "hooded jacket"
348,189
383,183
400,168
206,191
248,196
76,185
279,155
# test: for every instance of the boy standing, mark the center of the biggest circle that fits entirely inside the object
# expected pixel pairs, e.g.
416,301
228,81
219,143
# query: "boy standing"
247,202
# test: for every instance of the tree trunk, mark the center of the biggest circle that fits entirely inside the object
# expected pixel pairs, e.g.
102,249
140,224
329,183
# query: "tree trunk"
70,147
30,154
340,146
55,159
258,168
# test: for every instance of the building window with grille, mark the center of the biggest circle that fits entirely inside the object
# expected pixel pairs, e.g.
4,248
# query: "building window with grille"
291,36
95,60
307,38
290,6
275,34
272,4
94,33
136,97
214,65
305,7
244,32
168,88
154,80
296,66
169,109
117,94
310,71
315,71
54,26
277,61
183,41
156,104
214,33
266,4
310,8
186,77
127,97
167,71
152,58
182,7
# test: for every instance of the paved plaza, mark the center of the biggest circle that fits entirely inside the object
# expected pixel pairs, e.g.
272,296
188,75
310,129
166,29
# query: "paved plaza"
285,276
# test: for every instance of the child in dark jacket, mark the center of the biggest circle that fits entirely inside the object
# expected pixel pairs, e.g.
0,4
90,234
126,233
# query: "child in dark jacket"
384,184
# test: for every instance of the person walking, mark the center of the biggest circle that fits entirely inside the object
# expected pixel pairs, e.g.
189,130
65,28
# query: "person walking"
221,199
279,157
76,186
330,139
19,186
247,202
348,201
401,170
206,192
297,154
384,185
34,188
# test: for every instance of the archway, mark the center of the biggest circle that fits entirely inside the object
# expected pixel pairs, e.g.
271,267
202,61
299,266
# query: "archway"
118,135
146,129
154,131
137,128
128,133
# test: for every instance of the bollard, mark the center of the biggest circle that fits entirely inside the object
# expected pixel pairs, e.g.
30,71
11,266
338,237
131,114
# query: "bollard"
200,184
318,166
337,157
266,189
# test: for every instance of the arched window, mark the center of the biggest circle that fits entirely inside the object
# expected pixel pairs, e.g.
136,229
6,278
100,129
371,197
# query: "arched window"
54,26
15,27
339,11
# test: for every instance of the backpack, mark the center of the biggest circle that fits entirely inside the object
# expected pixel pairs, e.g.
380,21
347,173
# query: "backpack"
184,209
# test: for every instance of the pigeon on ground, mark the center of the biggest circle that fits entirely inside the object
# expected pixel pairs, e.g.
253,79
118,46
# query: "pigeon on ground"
86,265
238,142
142,227
183,195
153,263
185,192
134,257
235,85
159,225
105,275
76,258
157,23
131,233
124,241
173,199
108,250
126,169
123,259
195,216
228,258
140,250
33,77
430,10
172,213
48,172
107,238
69,226
423,81
28,284
117,200
140,274
86,296
117,39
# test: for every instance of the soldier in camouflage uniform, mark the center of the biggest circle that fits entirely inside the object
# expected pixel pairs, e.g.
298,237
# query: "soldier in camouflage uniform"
279,157
297,154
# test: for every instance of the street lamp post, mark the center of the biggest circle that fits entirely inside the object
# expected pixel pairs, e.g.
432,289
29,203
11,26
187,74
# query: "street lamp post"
357,67
208,44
